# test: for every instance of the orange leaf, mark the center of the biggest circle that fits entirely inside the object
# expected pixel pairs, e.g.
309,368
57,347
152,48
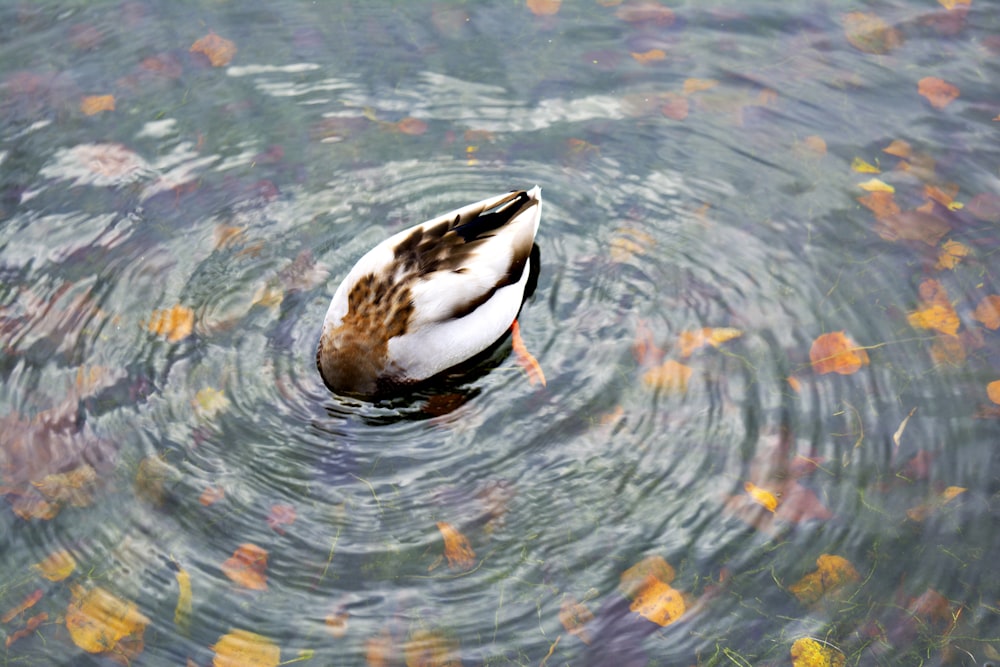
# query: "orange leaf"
993,391
457,549
951,254
628,242
575,616
698,85
652,55
281,515
57,566
525,358
899,148
944,195
831,574
25,604
658,602
211,495
411,126
634,578
95,104
645,11
670,376
336,622
952,4
869,33
431,648
99,621
941,318
912,226
815,143
544,7
882,204
689,341
836,353
219,50
938,92
988,312
29,627
241,648
761,496
247,567
175,324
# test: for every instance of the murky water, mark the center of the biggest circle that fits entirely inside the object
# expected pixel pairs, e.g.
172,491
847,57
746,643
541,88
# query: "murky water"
722,187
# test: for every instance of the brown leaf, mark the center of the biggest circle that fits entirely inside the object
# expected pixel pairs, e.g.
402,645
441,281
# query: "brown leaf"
912,226
645,12
219,50
985,206
457,549
25,604
632,579
869,33
882,204
988,312
247,567
411,126
899,148
281,515
670,377
938,92
29,628
675,106
575,616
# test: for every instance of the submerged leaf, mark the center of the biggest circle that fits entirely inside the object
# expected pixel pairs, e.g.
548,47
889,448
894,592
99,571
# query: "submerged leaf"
57,566
575,616
175,324
761,496
993,391
868,33
431,648
936,317
25,604
95,104
988,312
526,360
952,252
544,7
242,648
832,573
457,549
808,652
182,612
247,567
836,353
281,515
29,628
689,341
219,50
656,601
670,376
98,620
938,92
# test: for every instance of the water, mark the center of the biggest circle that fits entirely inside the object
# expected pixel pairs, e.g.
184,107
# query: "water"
682,192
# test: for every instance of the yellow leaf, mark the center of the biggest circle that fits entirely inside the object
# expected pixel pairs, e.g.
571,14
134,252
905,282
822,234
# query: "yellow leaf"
863,167
832,573
242,648
57,566
876,185
457,549
175,324
951,4
939,317
634,578
951,492
993,391
670,376
658,602
95,104
97,620
182,612
209,402
951,254
761,496
219,50
807,652
431,648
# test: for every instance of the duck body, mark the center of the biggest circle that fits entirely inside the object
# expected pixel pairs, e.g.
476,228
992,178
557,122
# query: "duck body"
430,297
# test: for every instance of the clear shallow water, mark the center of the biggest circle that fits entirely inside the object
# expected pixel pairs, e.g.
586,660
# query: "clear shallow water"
242,193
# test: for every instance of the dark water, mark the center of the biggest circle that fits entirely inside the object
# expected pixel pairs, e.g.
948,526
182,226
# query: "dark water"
166,265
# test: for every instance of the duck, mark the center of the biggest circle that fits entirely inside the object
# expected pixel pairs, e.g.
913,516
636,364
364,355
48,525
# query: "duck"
430,297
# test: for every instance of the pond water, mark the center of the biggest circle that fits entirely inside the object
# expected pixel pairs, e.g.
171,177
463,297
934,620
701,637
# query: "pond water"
766,313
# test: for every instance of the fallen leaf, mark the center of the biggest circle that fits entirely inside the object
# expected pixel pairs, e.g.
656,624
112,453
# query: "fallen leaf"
632,579
952,4
897,436
836,353
862,167
832,573
379,650
920,512
209,402
645,12
808,652
175,324
815,143
57,566
182,611
281,515
95,104
25,604
219,50
944,194
336,622
247,567
650,56
689,341
242,648
698,85
761,496
75,487
411,126
899,148
870,34
671,377
938,92
575,616
951,254
99,621
544,7
876,185
936,317
883,205
211,495
29,628
993,391
656,601
457,549
675,106
985,206
799,503
431,648
988,312
913,225
628,242
151,478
